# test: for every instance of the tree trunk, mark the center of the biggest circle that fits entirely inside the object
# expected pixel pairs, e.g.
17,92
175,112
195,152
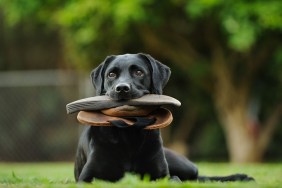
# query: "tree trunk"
241,136
246,139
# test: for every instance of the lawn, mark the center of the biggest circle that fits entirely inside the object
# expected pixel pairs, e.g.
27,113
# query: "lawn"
61,175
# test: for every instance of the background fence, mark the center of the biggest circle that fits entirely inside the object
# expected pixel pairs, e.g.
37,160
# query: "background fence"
34,125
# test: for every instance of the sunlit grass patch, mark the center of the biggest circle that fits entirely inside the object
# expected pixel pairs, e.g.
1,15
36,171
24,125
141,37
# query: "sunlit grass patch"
61,175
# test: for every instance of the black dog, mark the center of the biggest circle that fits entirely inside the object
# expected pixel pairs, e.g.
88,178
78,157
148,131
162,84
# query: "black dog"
108,152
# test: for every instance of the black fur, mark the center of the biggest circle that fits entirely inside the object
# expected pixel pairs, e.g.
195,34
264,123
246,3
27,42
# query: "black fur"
108,152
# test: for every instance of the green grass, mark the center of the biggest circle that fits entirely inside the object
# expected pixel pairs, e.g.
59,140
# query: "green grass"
61,175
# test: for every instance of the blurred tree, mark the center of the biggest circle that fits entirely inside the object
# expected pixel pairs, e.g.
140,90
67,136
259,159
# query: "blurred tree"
229,49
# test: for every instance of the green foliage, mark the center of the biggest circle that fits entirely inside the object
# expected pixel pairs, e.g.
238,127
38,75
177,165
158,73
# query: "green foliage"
198,8
242,20
21,11
86,22
82,23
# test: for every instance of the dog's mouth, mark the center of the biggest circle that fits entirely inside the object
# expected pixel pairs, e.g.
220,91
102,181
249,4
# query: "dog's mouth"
127,95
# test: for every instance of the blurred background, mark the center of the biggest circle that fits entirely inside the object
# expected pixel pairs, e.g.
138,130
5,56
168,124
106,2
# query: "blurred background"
225,56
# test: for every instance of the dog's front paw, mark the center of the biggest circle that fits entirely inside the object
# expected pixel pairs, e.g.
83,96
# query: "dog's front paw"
175,179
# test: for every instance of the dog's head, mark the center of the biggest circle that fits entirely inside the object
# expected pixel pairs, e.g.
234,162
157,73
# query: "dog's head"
130,76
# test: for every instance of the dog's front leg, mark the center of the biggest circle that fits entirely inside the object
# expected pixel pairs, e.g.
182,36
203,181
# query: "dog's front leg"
102,167
88,169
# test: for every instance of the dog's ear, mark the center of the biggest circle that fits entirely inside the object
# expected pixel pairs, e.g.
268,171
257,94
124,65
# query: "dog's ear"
97,75
160,73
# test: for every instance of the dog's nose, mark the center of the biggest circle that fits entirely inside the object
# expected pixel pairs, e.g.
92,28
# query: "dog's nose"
122,88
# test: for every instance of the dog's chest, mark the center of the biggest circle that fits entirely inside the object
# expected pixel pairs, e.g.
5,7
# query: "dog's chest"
119,136
126,142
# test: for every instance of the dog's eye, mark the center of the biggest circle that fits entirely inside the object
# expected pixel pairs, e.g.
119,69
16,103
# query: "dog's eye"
139,73
112,75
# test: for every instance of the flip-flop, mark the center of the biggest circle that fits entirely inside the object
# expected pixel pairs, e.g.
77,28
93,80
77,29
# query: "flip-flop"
105,102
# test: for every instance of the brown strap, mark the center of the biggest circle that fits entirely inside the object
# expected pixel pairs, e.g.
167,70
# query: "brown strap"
96,118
